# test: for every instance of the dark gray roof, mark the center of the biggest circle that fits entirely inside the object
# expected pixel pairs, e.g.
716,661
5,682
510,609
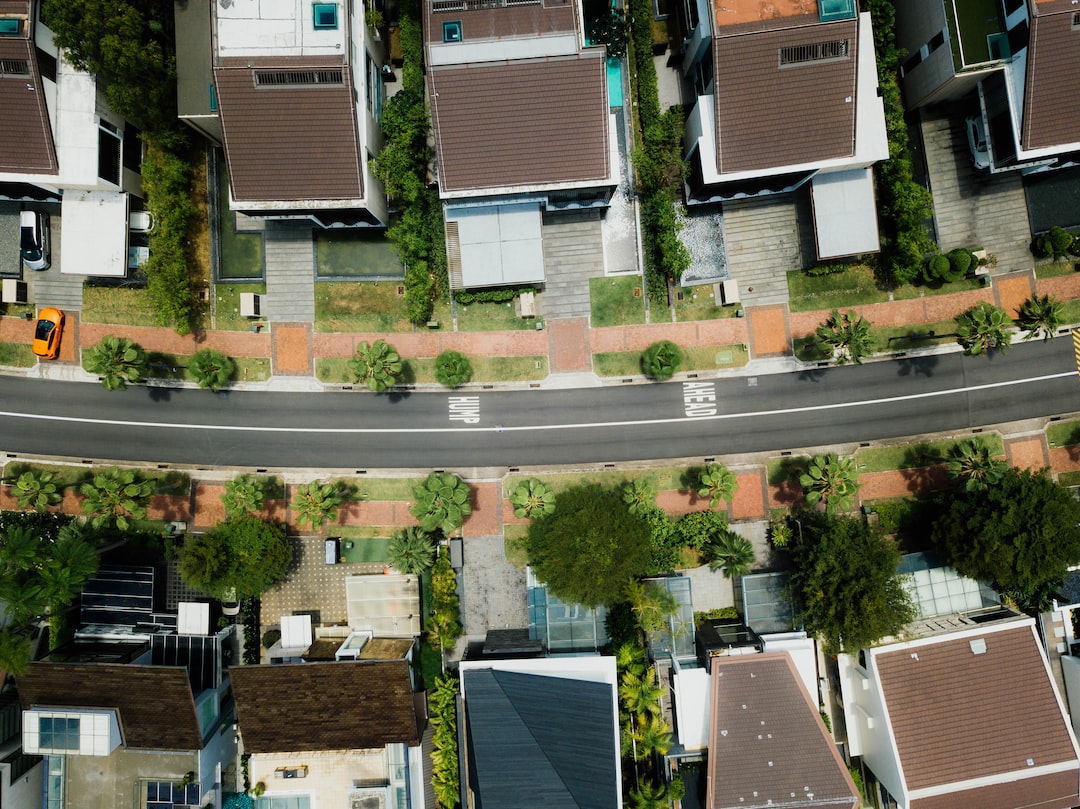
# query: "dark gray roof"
537,742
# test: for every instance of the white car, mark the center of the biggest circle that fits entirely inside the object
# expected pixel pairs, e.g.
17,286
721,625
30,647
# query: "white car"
977,141
34,239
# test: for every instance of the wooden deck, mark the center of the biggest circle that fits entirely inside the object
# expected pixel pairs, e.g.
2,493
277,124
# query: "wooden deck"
974,208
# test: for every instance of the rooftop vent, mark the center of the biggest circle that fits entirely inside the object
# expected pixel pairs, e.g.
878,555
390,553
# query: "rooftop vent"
978,646
14,67
814,52
298,78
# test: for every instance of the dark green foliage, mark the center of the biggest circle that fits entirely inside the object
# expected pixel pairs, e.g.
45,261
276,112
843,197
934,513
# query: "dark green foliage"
1039,314
412,551
377,365
665,541
444,623
666,258
36,490
659,161
828,268
117,361
452,368
661,360
621,626
590,547
845,576
729,552
971,464
849,336
405,129
493,295
316,503
697,528
532,499
716,614
1020,534
244,553
442,713
419,239
609,31
212,369
937,269
243,495
412,46
443,501
1055,243
960,261
270,637
982,328
249,618
116,496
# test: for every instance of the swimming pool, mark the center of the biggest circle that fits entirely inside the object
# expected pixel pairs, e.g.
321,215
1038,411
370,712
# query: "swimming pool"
614,82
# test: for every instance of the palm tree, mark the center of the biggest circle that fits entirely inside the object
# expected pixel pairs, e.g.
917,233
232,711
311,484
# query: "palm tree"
653,735
36,490
376,365
116,496
649,795
23,601
1039,314
316,503
117,361
638,494
72,562
780,534
983,328
661,360
452,368
630,658
971,462
849,335
15,651
651,603
640,694
532,499
243,495
442,502
412,551
211,369
20,549
830,480
717,483
729,552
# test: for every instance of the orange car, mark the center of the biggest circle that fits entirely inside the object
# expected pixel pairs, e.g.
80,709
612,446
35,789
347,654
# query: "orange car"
47,334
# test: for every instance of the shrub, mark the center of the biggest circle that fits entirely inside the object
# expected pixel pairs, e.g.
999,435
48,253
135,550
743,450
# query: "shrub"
532,499
376,365
443,501
1055,243
829,268
937,268
211,369
452,368
117,361
661,360
270,637
495,295
960,261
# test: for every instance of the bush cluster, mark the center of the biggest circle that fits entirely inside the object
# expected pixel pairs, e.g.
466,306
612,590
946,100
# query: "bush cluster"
904,204
495,295
829,268
948,268
1054,243
442,709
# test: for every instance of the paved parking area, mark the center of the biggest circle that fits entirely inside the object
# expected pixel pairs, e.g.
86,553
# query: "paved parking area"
9,239
492,590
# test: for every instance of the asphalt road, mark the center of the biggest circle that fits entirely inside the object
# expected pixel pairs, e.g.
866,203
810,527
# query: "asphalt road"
706,417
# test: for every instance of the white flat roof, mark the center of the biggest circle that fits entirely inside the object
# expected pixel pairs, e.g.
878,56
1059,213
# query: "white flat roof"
295,631
845,217
500,244
280,28
692,689
93,236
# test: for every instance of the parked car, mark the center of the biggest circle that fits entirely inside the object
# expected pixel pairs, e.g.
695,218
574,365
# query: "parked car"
34,239
141,222
977,142
47,334
230,606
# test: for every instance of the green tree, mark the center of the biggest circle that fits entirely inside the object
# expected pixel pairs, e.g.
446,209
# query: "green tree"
845,575
849,335
639,494
1020,534
590,547
442,702
316,503
245,553
15,650
376,365
698,528
731,553
243,495
831,481
71,562
36,490
717,483
442,502
651,603
211,369
114,497
639,693
651,737
444,624
971,463
532,499
661,360
649,795
405,129
982,328
1039,314
412,551
780,534
116,361
452,369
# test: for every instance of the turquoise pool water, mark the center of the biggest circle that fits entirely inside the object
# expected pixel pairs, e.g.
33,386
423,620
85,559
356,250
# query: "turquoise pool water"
614,82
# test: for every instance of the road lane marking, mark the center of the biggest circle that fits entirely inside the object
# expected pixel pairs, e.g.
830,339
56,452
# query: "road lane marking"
699,399
465,409
243,428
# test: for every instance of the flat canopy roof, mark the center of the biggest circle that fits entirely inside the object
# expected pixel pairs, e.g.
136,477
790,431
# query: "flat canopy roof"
94,234
845,217
499,244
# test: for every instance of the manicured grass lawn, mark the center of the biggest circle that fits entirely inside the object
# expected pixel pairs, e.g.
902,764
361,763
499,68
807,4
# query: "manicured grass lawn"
485,369
17,355
668,478
514,545
1070,312
698,303
241,252
613,302
1055,269
700,358
167,482
361,253
1063,433
853,287
366,306
902,338
175,366
117,306
781,470
491,317
1069,478
227,305
386,488
911,456
366,549
810,349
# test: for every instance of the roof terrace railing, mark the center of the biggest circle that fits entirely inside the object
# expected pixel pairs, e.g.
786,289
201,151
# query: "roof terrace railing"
438,6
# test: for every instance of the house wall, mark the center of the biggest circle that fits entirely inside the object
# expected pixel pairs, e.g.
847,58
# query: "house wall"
1070,669
25,792
367,55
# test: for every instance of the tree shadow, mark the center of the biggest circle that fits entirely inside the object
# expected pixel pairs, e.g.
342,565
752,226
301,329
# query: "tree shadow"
811,375
919,366
789,469
157,393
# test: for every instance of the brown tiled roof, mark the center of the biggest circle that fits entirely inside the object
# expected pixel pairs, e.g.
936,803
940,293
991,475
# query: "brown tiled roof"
1053,791
526,122
358,705
289,142
155,704
1052,89
767,743
769,116
957,715
504,23
26,143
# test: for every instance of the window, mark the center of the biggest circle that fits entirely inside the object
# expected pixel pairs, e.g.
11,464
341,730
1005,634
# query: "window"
284,802
46,64
814,52
108,154
451,32
213,98
1076,20
325,16
132,147
58,733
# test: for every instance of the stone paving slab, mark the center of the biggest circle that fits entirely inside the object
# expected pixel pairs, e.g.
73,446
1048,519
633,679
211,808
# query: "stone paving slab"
292,350
1027,453
493,594
769,333
1013,291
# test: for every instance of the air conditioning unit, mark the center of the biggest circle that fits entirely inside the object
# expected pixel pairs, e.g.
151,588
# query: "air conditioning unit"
292,772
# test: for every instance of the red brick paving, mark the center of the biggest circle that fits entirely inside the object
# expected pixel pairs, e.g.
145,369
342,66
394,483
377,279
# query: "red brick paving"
749,499
569,345
486,517
292,350
904,483
769,335
1027,453
231,343
728,331
1065,287
1012,291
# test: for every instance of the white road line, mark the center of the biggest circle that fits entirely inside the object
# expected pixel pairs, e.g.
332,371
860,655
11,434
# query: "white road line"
527,428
